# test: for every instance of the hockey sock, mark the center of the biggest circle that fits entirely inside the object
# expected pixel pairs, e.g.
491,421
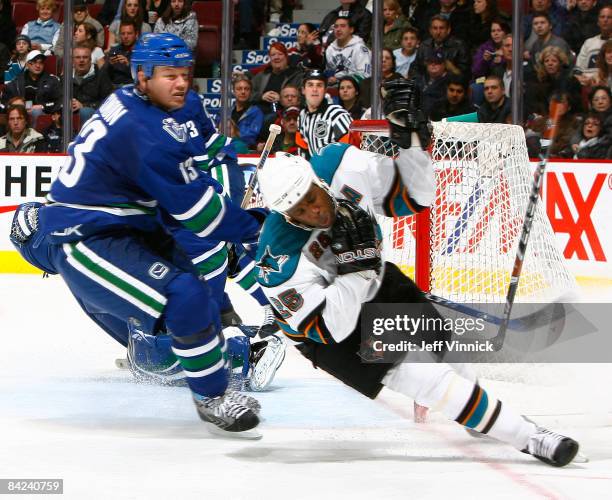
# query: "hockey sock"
203,359
192,318
260,297
472,406
440,388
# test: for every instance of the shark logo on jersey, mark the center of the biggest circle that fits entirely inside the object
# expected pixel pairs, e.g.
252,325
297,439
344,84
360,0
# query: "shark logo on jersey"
176,131
270,263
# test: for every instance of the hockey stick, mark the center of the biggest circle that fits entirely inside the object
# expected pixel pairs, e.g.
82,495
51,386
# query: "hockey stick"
551,312
274,131
549,134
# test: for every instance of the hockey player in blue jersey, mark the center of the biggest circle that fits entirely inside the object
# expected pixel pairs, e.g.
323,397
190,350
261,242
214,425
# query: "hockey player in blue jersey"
320,261
211,257
130,166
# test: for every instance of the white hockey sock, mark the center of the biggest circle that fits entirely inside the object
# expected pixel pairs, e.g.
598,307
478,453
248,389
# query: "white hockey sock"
480,411
440,388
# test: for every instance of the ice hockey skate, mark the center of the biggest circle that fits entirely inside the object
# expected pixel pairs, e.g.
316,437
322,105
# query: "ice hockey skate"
266,358
229,415
269,325
551,448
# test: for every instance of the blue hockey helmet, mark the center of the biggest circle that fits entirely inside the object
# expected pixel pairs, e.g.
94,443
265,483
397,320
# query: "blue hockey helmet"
159,49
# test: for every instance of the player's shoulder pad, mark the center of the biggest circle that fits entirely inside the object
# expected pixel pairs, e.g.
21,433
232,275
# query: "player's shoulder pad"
279,250
327,161
194,99
115,110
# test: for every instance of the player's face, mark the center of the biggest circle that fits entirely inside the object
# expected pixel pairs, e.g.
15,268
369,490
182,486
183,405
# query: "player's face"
16,123
314,92
167,88
608,57
315,210
585,5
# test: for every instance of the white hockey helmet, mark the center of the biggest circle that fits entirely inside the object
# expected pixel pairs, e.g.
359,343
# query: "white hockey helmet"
285,180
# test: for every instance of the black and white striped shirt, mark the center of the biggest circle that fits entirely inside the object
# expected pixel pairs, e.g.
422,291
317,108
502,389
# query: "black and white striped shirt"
329,123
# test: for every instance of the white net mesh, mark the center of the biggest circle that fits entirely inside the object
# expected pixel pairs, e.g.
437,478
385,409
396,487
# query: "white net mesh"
483,184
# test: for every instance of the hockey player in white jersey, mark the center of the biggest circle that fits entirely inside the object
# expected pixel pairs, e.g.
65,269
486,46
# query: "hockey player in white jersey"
319,261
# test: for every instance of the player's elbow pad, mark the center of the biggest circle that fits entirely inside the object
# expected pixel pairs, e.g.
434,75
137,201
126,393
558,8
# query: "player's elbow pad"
416,170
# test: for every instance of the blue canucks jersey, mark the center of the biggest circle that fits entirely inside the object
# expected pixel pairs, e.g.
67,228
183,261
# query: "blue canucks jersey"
133,159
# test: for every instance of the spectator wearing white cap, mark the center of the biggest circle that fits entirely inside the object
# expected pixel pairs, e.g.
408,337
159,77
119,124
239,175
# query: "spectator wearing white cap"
35,85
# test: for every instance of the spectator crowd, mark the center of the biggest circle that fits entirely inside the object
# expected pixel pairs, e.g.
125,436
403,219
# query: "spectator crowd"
460,54
458,51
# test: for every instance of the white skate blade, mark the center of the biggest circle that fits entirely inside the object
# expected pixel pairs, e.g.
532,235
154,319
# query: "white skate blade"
122,364
251,434
580,458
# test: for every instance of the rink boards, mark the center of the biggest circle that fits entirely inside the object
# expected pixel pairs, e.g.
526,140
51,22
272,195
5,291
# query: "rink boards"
576,195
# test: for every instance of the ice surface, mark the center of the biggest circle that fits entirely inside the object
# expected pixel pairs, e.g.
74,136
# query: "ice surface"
67,412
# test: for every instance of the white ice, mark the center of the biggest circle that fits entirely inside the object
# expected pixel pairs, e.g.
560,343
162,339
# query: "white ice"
67,412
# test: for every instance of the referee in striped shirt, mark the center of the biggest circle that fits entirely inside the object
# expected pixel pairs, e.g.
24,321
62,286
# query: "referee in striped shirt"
320,123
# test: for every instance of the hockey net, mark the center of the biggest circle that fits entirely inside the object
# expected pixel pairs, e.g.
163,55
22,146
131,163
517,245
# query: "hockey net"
463,248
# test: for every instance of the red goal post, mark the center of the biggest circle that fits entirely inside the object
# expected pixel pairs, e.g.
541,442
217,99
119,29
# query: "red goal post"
372,135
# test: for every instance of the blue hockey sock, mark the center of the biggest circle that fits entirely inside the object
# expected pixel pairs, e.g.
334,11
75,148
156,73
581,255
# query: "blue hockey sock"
203,359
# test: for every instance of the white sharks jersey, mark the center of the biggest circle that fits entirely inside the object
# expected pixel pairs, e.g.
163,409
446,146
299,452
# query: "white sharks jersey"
296,267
